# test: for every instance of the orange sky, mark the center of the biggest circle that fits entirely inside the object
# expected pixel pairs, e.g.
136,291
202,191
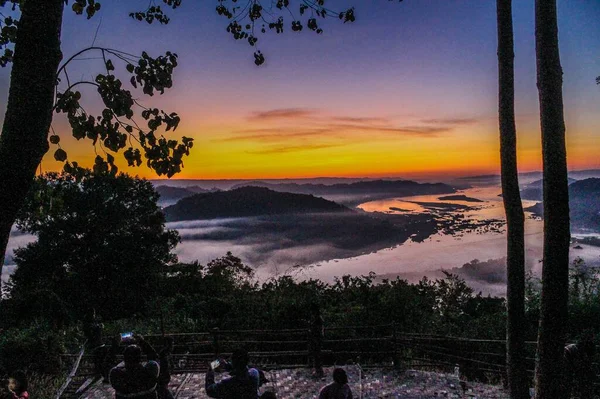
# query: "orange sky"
408,90
304,142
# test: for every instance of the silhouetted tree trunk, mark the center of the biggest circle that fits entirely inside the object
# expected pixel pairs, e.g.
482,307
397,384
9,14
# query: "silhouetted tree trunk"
23,141
555,275
515,219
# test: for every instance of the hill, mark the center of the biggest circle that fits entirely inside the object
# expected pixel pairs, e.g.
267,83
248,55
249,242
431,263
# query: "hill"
357,192
248,201
170,194
584,201
533,190
584,198
459,197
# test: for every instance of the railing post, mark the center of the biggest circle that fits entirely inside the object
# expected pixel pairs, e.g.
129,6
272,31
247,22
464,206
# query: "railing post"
317,333
318,353
309,345
215,334
395,358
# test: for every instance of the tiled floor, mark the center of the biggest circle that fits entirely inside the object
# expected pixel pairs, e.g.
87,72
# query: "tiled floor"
291,384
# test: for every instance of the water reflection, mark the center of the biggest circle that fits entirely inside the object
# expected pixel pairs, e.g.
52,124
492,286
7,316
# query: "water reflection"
413,260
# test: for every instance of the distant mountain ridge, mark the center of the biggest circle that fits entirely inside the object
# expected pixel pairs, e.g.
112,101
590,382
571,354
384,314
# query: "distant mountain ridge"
533,190
584,203
400,188
170,194
248,201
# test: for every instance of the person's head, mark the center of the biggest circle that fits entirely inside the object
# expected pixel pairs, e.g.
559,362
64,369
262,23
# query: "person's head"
239,359
340,376
268,395
17,382
132,355
168,344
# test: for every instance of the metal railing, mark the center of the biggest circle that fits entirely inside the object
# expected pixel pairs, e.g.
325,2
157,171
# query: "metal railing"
373,346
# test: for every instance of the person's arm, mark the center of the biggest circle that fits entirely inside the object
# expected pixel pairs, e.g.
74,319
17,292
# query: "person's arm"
148,350
153,368
114,377
255,375
213,389
165,367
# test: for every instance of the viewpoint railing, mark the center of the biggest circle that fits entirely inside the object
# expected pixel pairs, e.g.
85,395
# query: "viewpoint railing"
371,346
381,346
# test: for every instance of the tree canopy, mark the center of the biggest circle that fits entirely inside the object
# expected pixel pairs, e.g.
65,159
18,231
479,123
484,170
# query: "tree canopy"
101,244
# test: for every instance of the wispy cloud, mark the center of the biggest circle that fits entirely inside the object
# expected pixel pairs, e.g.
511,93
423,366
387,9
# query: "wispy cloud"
296,148
281,113
425,131
351,119
275,134
288,128
451,121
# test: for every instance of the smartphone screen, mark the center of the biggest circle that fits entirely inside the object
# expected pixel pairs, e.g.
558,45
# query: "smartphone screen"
126,335
215,364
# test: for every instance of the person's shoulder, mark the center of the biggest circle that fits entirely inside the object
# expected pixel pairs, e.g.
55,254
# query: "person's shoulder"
326,389
119,369
571,349
152,366
253,372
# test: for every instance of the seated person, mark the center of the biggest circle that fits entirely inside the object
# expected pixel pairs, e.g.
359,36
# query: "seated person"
339,388
579,372
17,385
243,383
131,378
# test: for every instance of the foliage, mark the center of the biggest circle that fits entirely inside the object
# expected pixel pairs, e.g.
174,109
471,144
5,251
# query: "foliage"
114,128
35,348
248,17
101,245
44,386
441,306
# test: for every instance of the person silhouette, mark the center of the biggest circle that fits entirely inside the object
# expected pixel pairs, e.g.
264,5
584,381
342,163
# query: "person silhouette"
132,378
579,372
243,383
339,388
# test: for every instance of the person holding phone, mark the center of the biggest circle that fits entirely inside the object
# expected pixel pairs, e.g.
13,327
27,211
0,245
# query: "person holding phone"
243,383
132,378
163,357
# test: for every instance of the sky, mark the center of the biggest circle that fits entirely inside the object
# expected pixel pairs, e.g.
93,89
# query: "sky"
408,90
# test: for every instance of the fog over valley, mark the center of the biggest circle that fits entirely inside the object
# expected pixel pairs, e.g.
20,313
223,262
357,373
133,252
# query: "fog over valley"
331,227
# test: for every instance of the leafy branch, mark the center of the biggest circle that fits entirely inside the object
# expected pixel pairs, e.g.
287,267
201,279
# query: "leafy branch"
115,127
246,19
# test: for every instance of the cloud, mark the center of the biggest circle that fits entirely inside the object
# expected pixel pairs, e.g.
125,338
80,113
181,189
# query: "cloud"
296,148
351,119
451,121
287,129
425,131
281,113
275,134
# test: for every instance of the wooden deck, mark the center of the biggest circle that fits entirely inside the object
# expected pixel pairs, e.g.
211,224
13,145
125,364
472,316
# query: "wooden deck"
298,383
